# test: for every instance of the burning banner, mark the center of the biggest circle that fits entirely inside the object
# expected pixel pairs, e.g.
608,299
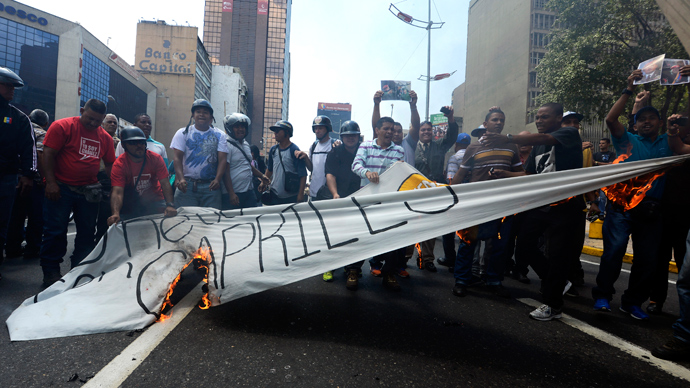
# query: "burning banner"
126,281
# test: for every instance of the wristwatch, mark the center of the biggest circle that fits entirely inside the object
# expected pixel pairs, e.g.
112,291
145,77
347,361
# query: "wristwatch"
510,137
170,204
626,91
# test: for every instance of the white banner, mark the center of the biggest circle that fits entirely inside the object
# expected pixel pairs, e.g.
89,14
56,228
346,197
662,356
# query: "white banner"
122,284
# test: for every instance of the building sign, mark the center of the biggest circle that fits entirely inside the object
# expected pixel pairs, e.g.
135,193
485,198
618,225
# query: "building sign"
20,13
167,56
124,65
262,7
227,6
336,107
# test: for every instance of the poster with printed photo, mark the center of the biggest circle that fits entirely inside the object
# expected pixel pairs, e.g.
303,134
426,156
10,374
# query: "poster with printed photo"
396,90
651,70
670,73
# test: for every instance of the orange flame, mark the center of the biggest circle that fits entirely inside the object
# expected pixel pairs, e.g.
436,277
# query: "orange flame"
464,235
419,255
630,193
201,257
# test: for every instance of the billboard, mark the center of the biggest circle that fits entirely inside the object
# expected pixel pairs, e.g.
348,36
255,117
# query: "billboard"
338,113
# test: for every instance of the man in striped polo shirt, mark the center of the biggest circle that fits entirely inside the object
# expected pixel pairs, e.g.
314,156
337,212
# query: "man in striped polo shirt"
373,158
484,163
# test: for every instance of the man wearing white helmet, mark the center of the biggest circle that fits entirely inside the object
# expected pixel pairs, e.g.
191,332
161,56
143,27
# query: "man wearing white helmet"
238,176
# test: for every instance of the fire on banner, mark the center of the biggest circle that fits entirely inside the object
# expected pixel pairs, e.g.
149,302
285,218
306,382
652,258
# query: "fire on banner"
124,282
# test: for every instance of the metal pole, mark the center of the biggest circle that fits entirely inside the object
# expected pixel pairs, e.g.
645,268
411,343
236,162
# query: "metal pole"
428,63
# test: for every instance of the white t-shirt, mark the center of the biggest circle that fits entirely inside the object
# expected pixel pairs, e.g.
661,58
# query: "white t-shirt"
200,151
240,168
318,160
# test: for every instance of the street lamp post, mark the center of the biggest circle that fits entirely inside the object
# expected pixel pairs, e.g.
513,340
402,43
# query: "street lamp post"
428,26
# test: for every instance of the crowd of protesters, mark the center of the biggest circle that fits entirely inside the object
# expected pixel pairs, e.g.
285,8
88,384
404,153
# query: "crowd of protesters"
83,169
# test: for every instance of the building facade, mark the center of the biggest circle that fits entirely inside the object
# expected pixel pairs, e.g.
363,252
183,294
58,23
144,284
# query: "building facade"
63,66
506,40
229,91
176,62
254,36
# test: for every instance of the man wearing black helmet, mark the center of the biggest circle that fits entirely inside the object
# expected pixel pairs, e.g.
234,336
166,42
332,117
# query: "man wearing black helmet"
17,149
140,180
201,152
287,173
316,160
342,182
238,176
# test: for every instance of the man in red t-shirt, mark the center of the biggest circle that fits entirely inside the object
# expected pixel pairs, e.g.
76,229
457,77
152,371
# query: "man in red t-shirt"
72,153
140,180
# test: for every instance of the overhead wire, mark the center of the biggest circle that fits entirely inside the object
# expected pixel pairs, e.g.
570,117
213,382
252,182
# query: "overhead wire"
413,53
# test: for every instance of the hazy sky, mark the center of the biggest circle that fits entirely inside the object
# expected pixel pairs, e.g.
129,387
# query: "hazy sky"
341,50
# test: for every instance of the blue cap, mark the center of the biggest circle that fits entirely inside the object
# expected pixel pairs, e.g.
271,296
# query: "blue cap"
463,138
645,109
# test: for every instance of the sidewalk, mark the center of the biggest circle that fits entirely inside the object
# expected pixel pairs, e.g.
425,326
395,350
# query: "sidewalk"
595,247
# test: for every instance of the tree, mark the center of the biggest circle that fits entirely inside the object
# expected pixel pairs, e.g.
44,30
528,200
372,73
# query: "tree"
595,45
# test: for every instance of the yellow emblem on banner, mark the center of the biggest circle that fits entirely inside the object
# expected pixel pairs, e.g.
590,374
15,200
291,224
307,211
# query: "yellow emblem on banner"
418,181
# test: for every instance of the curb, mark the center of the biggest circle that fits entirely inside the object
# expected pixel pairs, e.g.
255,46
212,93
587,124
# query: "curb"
628,258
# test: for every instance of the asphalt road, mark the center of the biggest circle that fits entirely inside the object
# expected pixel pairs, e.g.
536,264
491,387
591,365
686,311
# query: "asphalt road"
317,334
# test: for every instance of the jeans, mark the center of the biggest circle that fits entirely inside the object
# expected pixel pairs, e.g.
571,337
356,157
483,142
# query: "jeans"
494,266
104,210
31,207
8,190
602,200
247,200
560,225
202,198
646,231
55,222
676,224
681,329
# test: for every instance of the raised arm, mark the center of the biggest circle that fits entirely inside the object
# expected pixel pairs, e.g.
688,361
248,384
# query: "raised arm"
376,115
452,132
415,121
616,128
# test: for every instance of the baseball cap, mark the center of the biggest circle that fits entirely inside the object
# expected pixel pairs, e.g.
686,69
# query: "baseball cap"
479,131
578,116
463,138
646,109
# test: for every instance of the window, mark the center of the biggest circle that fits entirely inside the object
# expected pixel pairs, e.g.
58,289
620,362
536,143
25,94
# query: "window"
33,55
535,58
540,39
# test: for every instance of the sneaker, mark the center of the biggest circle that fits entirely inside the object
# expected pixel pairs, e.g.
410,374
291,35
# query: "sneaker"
634,311
328,276
499,290
429,266
390,283
352,280
602,304
376,270
402,273
654,308
674,349
445,262
460,290
567,287
545,313
570,290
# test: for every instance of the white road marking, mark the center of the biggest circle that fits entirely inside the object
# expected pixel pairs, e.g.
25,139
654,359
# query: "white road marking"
71,234
622,269
117,371
642,354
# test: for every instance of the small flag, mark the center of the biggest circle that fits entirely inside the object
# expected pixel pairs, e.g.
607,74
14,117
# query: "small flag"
7,120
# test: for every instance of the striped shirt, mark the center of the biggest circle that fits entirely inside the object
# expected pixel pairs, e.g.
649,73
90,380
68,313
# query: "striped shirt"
372,158
480,159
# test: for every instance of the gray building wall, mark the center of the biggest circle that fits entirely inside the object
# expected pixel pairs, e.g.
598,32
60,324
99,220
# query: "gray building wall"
497,70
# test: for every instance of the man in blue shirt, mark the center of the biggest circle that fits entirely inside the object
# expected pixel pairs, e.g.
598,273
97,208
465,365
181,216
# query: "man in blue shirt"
643,221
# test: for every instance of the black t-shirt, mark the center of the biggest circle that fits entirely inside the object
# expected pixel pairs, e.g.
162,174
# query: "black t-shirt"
566,155
605,157
339,164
